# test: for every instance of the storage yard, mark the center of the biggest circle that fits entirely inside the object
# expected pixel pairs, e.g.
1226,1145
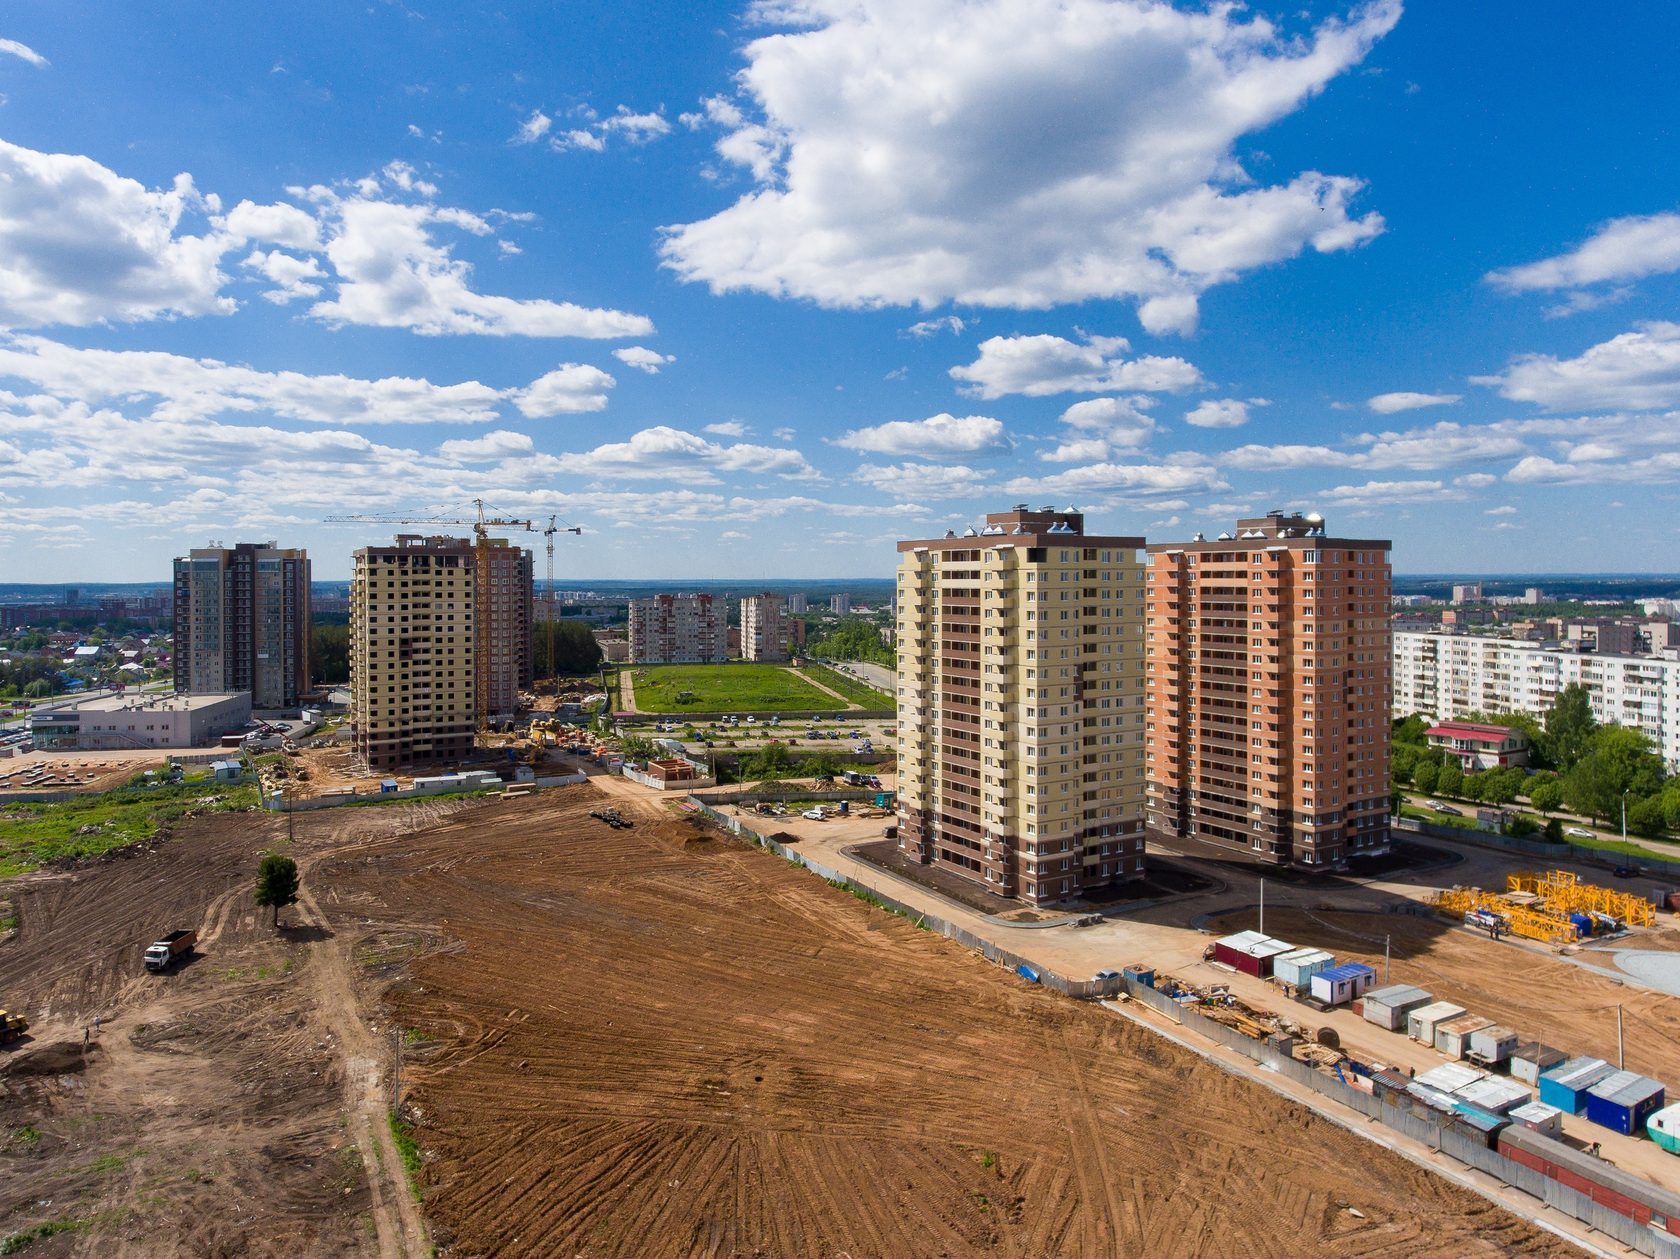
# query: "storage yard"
644,1040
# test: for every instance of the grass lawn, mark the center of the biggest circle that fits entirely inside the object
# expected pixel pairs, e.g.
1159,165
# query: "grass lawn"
725,688
854,690
33,833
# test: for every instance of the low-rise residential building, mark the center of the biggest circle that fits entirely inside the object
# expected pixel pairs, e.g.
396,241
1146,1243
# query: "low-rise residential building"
1477,746
679,629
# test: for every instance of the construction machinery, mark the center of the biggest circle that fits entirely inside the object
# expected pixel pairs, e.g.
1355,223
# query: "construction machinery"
12,1026
548,593
481,526
1501,916
1562,892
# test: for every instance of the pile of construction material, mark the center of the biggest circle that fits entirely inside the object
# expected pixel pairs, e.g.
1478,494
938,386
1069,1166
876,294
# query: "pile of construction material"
1554,908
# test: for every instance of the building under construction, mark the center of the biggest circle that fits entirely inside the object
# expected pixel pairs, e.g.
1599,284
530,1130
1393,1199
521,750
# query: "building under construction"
440,637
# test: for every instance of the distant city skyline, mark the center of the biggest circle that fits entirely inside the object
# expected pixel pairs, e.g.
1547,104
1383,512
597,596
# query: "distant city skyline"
755,288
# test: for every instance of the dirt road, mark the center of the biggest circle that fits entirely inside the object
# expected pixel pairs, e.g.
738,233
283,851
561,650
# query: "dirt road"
234,1107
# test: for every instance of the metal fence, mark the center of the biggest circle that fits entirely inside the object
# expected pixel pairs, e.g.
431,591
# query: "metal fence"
1646,859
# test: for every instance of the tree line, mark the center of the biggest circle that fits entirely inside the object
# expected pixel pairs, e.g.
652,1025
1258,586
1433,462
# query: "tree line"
1575,763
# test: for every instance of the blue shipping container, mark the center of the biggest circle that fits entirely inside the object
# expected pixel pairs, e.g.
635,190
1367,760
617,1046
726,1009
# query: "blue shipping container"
1622,1102
1565,1086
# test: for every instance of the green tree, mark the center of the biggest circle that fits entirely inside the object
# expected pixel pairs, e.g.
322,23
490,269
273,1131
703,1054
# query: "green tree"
1645,816
1546,795
635,747
1475,786
40,688
1411,731
1426,777
1671,804
854,639
1450,781
277,883
1569,727
329,654
1554,831
576,652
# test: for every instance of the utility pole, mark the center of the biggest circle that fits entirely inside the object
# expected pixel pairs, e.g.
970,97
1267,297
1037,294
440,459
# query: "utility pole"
1262,906
1621,1062
1386,940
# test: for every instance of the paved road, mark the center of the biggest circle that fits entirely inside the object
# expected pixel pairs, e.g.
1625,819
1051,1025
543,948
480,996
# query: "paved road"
877,675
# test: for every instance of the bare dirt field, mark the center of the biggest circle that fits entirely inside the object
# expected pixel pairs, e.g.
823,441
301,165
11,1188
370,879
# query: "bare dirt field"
637,1042
660,1042
1537,995
76,771
222,1109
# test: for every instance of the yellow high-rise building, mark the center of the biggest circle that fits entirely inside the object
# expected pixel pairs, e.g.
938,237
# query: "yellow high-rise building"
411,652
1020,705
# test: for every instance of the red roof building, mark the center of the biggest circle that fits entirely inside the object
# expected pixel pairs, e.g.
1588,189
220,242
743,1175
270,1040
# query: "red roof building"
1478,746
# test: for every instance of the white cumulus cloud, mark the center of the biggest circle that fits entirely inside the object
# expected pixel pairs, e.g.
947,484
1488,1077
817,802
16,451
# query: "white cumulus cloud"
667,452
1636,371
1391,403
1019,153
941,434
394,274
570,389
1103,428
643,359
80,244
1624,249
1222,413
1037,366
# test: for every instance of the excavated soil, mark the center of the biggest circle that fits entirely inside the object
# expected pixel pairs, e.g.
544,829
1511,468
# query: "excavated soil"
655,1043
646,1042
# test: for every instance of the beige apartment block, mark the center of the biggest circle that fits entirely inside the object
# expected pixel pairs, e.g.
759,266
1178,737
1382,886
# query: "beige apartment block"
412,626
764,628
679,629
1268,691
1020,705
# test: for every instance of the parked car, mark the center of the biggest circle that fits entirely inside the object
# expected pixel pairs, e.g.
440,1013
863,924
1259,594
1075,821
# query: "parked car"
1449,810
1106,974
816,815
1579,832
1626,872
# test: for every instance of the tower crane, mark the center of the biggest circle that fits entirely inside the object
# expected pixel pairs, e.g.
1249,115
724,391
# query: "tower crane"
553,528
481,526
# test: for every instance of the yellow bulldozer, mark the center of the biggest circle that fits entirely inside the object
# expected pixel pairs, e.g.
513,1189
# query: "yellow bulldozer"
12,1026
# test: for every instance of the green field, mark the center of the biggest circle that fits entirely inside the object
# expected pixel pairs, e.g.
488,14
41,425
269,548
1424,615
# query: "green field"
34,833
725,688
854,690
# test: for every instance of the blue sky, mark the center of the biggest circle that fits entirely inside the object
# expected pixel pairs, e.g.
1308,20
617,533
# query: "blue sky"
753,290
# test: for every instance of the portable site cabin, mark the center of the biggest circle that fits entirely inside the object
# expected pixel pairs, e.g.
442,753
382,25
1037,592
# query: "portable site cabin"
1664,1128
1530,1060
1541,1118
1388,1007
1250,952
1565,1086
1297,967
1453,1037
1495,1094
1450,1077
1422,1022
1623,1101
1492,1045
1342,984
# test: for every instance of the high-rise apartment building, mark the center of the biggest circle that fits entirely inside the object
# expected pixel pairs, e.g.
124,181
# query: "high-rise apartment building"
679,629
412,651
503,647
796,603
764,628
840,605
1020,705
1268,691
242,623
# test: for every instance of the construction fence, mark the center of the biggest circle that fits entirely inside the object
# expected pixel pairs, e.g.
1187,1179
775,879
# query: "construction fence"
1081,989
1451,1139
1648,861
